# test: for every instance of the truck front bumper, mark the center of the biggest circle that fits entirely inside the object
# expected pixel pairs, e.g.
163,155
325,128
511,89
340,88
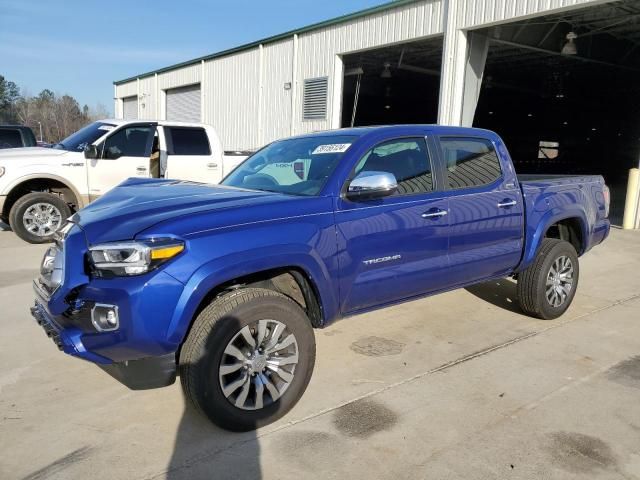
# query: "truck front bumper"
140,374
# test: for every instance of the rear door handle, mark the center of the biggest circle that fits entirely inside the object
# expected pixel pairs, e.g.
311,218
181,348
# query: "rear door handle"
212,165
434,213
506,203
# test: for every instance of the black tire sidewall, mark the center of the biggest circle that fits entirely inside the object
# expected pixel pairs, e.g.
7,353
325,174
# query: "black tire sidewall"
22,204
562,248
212,400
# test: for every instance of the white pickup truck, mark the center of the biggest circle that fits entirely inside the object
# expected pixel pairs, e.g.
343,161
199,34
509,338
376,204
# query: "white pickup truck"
41,187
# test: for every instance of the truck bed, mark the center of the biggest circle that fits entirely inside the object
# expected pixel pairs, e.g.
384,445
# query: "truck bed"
558,179
551,198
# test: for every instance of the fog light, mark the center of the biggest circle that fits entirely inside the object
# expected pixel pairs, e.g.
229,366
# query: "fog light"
105,317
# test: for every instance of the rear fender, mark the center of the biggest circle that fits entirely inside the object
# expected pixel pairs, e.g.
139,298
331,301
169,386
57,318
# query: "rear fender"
227,268
535,236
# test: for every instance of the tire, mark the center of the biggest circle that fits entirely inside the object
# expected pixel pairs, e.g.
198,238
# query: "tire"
217,329
541,292
53,213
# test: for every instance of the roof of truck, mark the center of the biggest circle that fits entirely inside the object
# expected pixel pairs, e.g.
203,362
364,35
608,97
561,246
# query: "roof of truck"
403,129
120,121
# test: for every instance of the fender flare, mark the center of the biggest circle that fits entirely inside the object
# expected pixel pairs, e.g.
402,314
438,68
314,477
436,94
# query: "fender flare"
47,176
534,240
225,269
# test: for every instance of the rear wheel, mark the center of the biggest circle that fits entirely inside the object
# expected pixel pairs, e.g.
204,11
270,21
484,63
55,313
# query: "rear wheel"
547,287
35,217
248,358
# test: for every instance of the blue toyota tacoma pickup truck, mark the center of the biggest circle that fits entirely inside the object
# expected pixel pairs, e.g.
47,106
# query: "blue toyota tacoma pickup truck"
223,284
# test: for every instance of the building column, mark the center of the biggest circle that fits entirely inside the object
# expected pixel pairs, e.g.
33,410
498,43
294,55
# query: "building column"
463,60
478,47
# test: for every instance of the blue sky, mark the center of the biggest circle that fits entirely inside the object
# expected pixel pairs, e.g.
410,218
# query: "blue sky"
81,47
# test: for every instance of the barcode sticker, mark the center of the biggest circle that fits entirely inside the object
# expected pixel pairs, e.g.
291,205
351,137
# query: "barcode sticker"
331,148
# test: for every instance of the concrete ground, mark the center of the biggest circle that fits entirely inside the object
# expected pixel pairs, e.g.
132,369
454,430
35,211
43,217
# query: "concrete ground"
458,386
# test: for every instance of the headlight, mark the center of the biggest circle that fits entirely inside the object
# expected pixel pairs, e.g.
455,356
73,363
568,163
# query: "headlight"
132,258
1,171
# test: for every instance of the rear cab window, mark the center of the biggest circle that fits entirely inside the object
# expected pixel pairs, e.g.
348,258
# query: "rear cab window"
187,141
10,138
469,162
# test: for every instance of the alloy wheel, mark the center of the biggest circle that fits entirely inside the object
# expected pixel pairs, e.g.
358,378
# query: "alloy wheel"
258,364
42,219
559,281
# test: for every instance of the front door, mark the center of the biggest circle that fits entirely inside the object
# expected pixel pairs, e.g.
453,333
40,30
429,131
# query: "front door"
486,212
395,247
123,154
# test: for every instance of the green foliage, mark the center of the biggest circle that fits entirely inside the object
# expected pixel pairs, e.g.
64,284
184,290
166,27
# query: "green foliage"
9,94
55,116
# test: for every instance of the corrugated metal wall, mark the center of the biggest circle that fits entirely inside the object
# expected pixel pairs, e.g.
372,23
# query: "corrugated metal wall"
244,94
317,50
275,109
180,77
232,100
482,13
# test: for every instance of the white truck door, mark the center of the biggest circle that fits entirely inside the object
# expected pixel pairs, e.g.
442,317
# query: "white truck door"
191,155
123,154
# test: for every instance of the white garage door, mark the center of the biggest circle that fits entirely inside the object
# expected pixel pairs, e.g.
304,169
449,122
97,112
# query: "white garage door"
130,108
183,104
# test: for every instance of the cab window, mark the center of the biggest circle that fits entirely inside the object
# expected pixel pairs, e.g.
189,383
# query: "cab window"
470,162
128,142
407,159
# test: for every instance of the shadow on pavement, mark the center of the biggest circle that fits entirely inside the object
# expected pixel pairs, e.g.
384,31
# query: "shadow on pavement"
501,293
202,450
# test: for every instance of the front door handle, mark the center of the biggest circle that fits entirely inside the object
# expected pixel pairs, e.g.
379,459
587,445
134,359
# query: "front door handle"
434,213
506,203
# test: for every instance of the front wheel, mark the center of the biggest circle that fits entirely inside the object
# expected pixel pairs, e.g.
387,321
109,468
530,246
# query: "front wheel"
248,358
36,216
547,287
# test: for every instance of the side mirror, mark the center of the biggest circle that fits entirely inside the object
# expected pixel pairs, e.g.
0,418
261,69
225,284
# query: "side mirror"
368,185
112,153
90,152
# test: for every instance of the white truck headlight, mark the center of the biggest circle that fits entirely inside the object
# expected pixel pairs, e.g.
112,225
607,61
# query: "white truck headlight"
132,258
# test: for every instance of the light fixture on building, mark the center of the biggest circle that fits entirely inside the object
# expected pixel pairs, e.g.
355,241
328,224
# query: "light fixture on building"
386,72
287,85
570,48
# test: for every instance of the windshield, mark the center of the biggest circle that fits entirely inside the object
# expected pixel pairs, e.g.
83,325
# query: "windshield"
297,166
83,137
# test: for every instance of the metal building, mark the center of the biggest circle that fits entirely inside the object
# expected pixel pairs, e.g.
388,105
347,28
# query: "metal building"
557,78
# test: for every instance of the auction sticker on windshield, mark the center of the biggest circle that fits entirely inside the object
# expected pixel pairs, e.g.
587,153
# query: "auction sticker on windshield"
331,148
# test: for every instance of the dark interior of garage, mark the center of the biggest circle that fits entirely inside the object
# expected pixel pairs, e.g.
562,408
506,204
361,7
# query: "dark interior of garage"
397,84
563,91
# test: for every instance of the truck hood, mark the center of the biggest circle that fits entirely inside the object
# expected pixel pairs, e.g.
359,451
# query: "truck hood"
137,204
29,152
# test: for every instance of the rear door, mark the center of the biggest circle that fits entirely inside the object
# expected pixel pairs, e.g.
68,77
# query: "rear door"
190,155
393,247
123,154
486,210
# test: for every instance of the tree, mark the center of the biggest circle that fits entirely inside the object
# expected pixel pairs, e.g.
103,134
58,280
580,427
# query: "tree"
59,116
9,94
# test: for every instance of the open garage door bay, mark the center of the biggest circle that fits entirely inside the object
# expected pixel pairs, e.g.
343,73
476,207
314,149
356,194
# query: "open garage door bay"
563,91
